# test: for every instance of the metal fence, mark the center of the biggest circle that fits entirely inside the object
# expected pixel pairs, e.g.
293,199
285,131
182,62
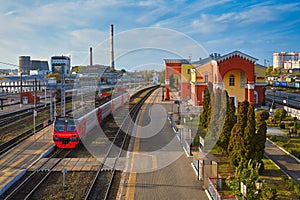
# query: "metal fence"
213,190
186,145
292,111
213,184
179,135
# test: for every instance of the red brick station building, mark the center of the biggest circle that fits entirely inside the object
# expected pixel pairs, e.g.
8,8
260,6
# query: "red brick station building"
236,72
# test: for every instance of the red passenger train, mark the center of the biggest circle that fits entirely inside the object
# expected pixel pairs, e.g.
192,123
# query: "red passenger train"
67,131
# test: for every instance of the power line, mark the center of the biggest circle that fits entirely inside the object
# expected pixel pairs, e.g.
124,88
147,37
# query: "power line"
5,63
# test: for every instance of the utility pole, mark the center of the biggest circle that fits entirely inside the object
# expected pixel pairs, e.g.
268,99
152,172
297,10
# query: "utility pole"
34,109
21,90
51,83
45,94
63,99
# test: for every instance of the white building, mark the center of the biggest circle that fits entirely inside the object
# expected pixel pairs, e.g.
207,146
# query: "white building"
155,78
291,64
279,59
60,62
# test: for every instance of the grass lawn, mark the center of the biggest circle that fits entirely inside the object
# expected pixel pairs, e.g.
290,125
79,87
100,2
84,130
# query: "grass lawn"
272,175
224,169
274,178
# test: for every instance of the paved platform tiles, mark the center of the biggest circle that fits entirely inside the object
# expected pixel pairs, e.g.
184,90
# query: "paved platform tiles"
14,163
174,181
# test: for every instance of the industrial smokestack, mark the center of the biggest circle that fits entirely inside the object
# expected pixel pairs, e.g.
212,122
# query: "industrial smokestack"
112,62
91,56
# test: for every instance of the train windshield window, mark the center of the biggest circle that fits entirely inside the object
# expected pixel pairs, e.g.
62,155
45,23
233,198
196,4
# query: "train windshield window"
71,125
59,125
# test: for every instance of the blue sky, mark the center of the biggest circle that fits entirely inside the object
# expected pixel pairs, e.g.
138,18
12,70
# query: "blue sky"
146,31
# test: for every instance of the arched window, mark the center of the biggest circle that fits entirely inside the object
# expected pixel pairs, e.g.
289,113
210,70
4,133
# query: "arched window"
231,80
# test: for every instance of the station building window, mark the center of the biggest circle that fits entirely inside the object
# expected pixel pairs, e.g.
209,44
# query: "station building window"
231,80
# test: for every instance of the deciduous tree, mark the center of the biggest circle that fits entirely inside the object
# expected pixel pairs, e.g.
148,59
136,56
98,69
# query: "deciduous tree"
279,114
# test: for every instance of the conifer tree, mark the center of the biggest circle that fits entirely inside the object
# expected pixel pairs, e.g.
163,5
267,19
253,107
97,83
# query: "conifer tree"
230,120
205,115
260,137
217,118
236,142
248,137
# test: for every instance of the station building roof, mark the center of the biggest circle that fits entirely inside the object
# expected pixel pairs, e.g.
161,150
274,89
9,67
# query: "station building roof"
18,78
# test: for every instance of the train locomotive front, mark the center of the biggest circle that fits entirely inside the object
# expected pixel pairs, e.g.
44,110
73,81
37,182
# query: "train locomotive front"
67,132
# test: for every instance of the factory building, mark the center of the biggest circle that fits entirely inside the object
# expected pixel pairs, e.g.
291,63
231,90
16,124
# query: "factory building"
26,65
59,63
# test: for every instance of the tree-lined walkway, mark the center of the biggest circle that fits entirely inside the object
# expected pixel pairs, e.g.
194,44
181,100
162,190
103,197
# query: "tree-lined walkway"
287,163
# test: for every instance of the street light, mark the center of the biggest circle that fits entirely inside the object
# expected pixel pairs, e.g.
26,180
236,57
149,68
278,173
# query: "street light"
258,185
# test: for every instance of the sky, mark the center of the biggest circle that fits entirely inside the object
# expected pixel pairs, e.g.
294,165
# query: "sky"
146,32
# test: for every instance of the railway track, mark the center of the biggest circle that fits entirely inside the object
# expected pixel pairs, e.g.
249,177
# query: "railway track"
13,117
105,175
4,147
33,181
103,181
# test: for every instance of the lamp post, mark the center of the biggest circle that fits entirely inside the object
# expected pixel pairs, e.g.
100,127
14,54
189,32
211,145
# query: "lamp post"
273,106
258,185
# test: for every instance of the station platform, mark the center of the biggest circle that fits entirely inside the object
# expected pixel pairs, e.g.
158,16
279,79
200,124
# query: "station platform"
12,103
15,162
157,166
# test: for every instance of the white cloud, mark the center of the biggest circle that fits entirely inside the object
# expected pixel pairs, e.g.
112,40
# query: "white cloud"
57,27
207,24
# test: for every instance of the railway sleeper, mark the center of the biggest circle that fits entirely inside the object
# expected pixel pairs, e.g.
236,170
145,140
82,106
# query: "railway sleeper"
43,170
106,170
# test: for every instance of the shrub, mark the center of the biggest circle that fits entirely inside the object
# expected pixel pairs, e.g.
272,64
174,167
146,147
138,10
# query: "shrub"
289,118
282,125
290,184
297,189
269,193
284,177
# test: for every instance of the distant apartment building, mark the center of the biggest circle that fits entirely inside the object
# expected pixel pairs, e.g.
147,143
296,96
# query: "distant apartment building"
286,60
26,64
39,65
59,63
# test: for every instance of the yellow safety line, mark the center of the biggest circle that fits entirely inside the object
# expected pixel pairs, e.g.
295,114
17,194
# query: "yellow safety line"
132,176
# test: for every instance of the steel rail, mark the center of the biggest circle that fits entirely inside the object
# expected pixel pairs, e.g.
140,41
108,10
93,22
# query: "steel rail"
123,143
135,110
31,176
